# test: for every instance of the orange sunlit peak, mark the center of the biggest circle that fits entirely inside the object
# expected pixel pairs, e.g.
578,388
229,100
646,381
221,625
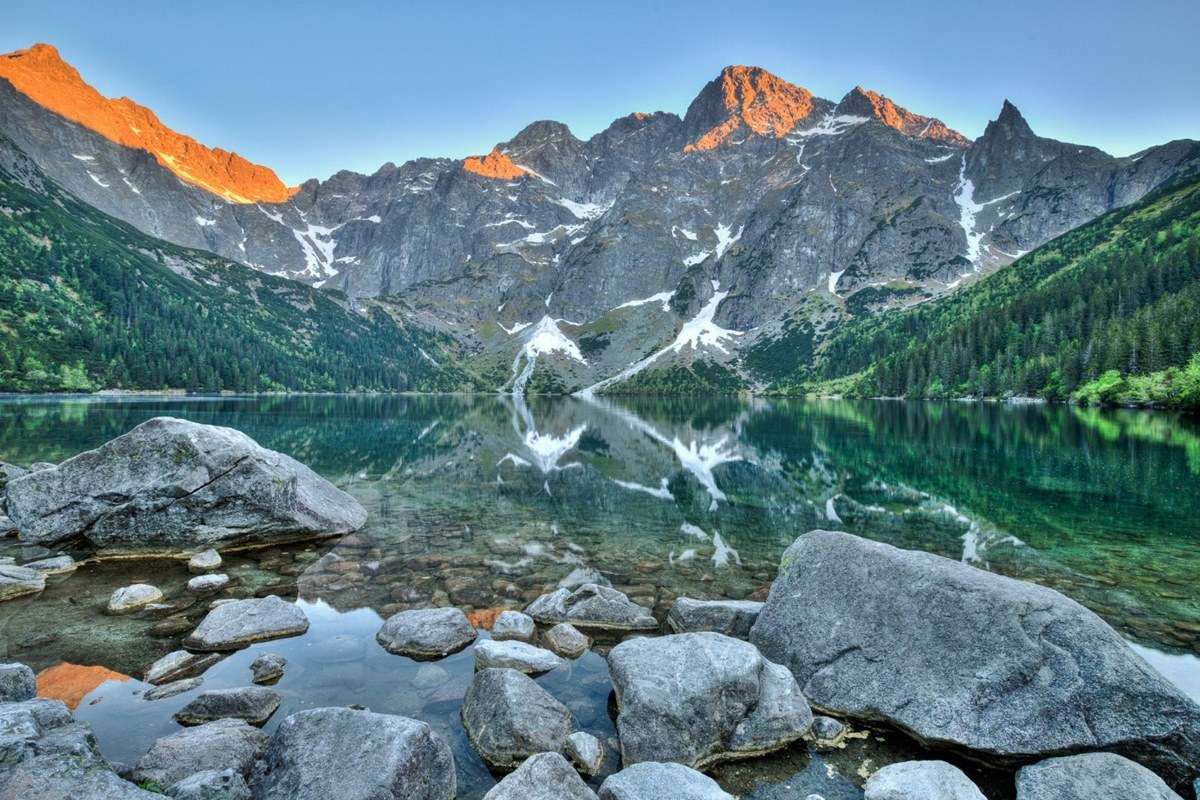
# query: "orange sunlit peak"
495,165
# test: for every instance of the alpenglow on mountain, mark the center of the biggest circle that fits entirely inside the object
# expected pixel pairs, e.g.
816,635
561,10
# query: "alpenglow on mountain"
661,244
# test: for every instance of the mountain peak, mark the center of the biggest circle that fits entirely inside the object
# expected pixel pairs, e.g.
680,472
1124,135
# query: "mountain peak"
494,165
1010,123
40,74
866,103
744,98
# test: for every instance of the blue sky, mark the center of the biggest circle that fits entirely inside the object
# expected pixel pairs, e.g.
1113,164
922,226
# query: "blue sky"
309,88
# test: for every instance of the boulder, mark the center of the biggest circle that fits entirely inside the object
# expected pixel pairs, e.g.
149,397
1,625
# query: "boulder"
508,717
17,683
545,776
327,753
665,689
513,625
19,581
61,776
585,752
592,606
730,617
1091,776
173,688
207,584
254,704
169,485
827,729
566,640
268,668
133,598
229,626
426,632
180,664
223,744
921,780
962,657
651,781
55,565
212,784
204,561
34,727
514,655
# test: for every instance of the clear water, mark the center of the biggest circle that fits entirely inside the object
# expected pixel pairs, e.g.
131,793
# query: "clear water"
485,502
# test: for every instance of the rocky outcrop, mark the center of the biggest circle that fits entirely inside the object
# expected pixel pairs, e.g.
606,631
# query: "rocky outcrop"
17,683
220,745
514,655
545,776
961,657
426,632
665,686
921,780
651,781
342,753
730,617
170,485
253,704
1091,776
508,718
225,784
242,622
592,606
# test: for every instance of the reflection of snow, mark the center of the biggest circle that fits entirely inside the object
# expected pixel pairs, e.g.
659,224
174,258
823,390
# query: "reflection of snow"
977,541
693,530
723,552
661,492
544,450
831,512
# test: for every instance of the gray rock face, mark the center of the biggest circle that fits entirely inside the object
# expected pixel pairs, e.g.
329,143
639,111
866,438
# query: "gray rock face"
268,667
327,753
665,688
225,784
566,640
65,777
170,485
207,584
963,657
426,632
220,745
232,625
173,688
179,664
514,655
35,727
204,561
132,598
508,717
254,704
513,625
17,683
651,781
1091,776
545,776
19,581
921,780
730,617
592,606
585,752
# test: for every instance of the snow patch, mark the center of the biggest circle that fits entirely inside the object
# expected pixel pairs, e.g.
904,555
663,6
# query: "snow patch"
205,222
662,493
96,179
724,240
544,338
661,297
684,232
834,277
581,210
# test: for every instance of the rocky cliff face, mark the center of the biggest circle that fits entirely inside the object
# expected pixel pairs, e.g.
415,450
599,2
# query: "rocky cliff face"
660,239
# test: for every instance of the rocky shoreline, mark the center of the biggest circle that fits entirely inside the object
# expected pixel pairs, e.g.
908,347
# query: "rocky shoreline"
994,670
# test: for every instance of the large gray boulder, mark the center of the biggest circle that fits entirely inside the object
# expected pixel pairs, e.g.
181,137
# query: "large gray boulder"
242,622
19,581
512,654
426,632
17,683
223,744
254,704
592,606
1091,776
921,780
545,776
513,625
39,727
327,753
698,698
59,776
170,485
508,717
961,657
179,664
212,784
730,617
652,781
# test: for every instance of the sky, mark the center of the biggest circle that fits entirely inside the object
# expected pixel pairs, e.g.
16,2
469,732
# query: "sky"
310,88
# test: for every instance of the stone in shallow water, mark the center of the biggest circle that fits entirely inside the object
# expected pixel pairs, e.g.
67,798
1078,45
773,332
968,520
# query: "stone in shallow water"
344,754
19,581
205,561
55,565
207,584
730,617
17,683
268,667
653,781
132,598
545,776
219,745
592,606
172,485
180,664
827,729
513,625
585,752
947,652
921,780
1091,776
665,688
508,717
514,655
212,784
430,676
173,688
566,640
254,704
426,632
229,626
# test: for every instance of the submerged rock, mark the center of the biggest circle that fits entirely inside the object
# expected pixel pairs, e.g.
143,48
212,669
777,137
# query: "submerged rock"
212,784
205,561
730,617
207,584
592,606
180,664
665,689
566,640
513,625
343,754
19,581
426,632
514,655
585,752
132,598
545,776
508,717
54,565
223,744
254,704
921,780
17,683
652,781
235,624
268,668
1091,776
173,688
827,729
170,485
959,656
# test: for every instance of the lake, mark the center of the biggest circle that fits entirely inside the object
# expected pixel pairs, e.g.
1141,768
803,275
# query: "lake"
485,502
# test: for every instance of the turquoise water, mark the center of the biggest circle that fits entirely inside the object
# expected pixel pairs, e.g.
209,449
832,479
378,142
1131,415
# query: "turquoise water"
485,502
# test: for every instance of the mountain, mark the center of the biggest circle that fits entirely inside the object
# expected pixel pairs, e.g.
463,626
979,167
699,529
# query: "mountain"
661,252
